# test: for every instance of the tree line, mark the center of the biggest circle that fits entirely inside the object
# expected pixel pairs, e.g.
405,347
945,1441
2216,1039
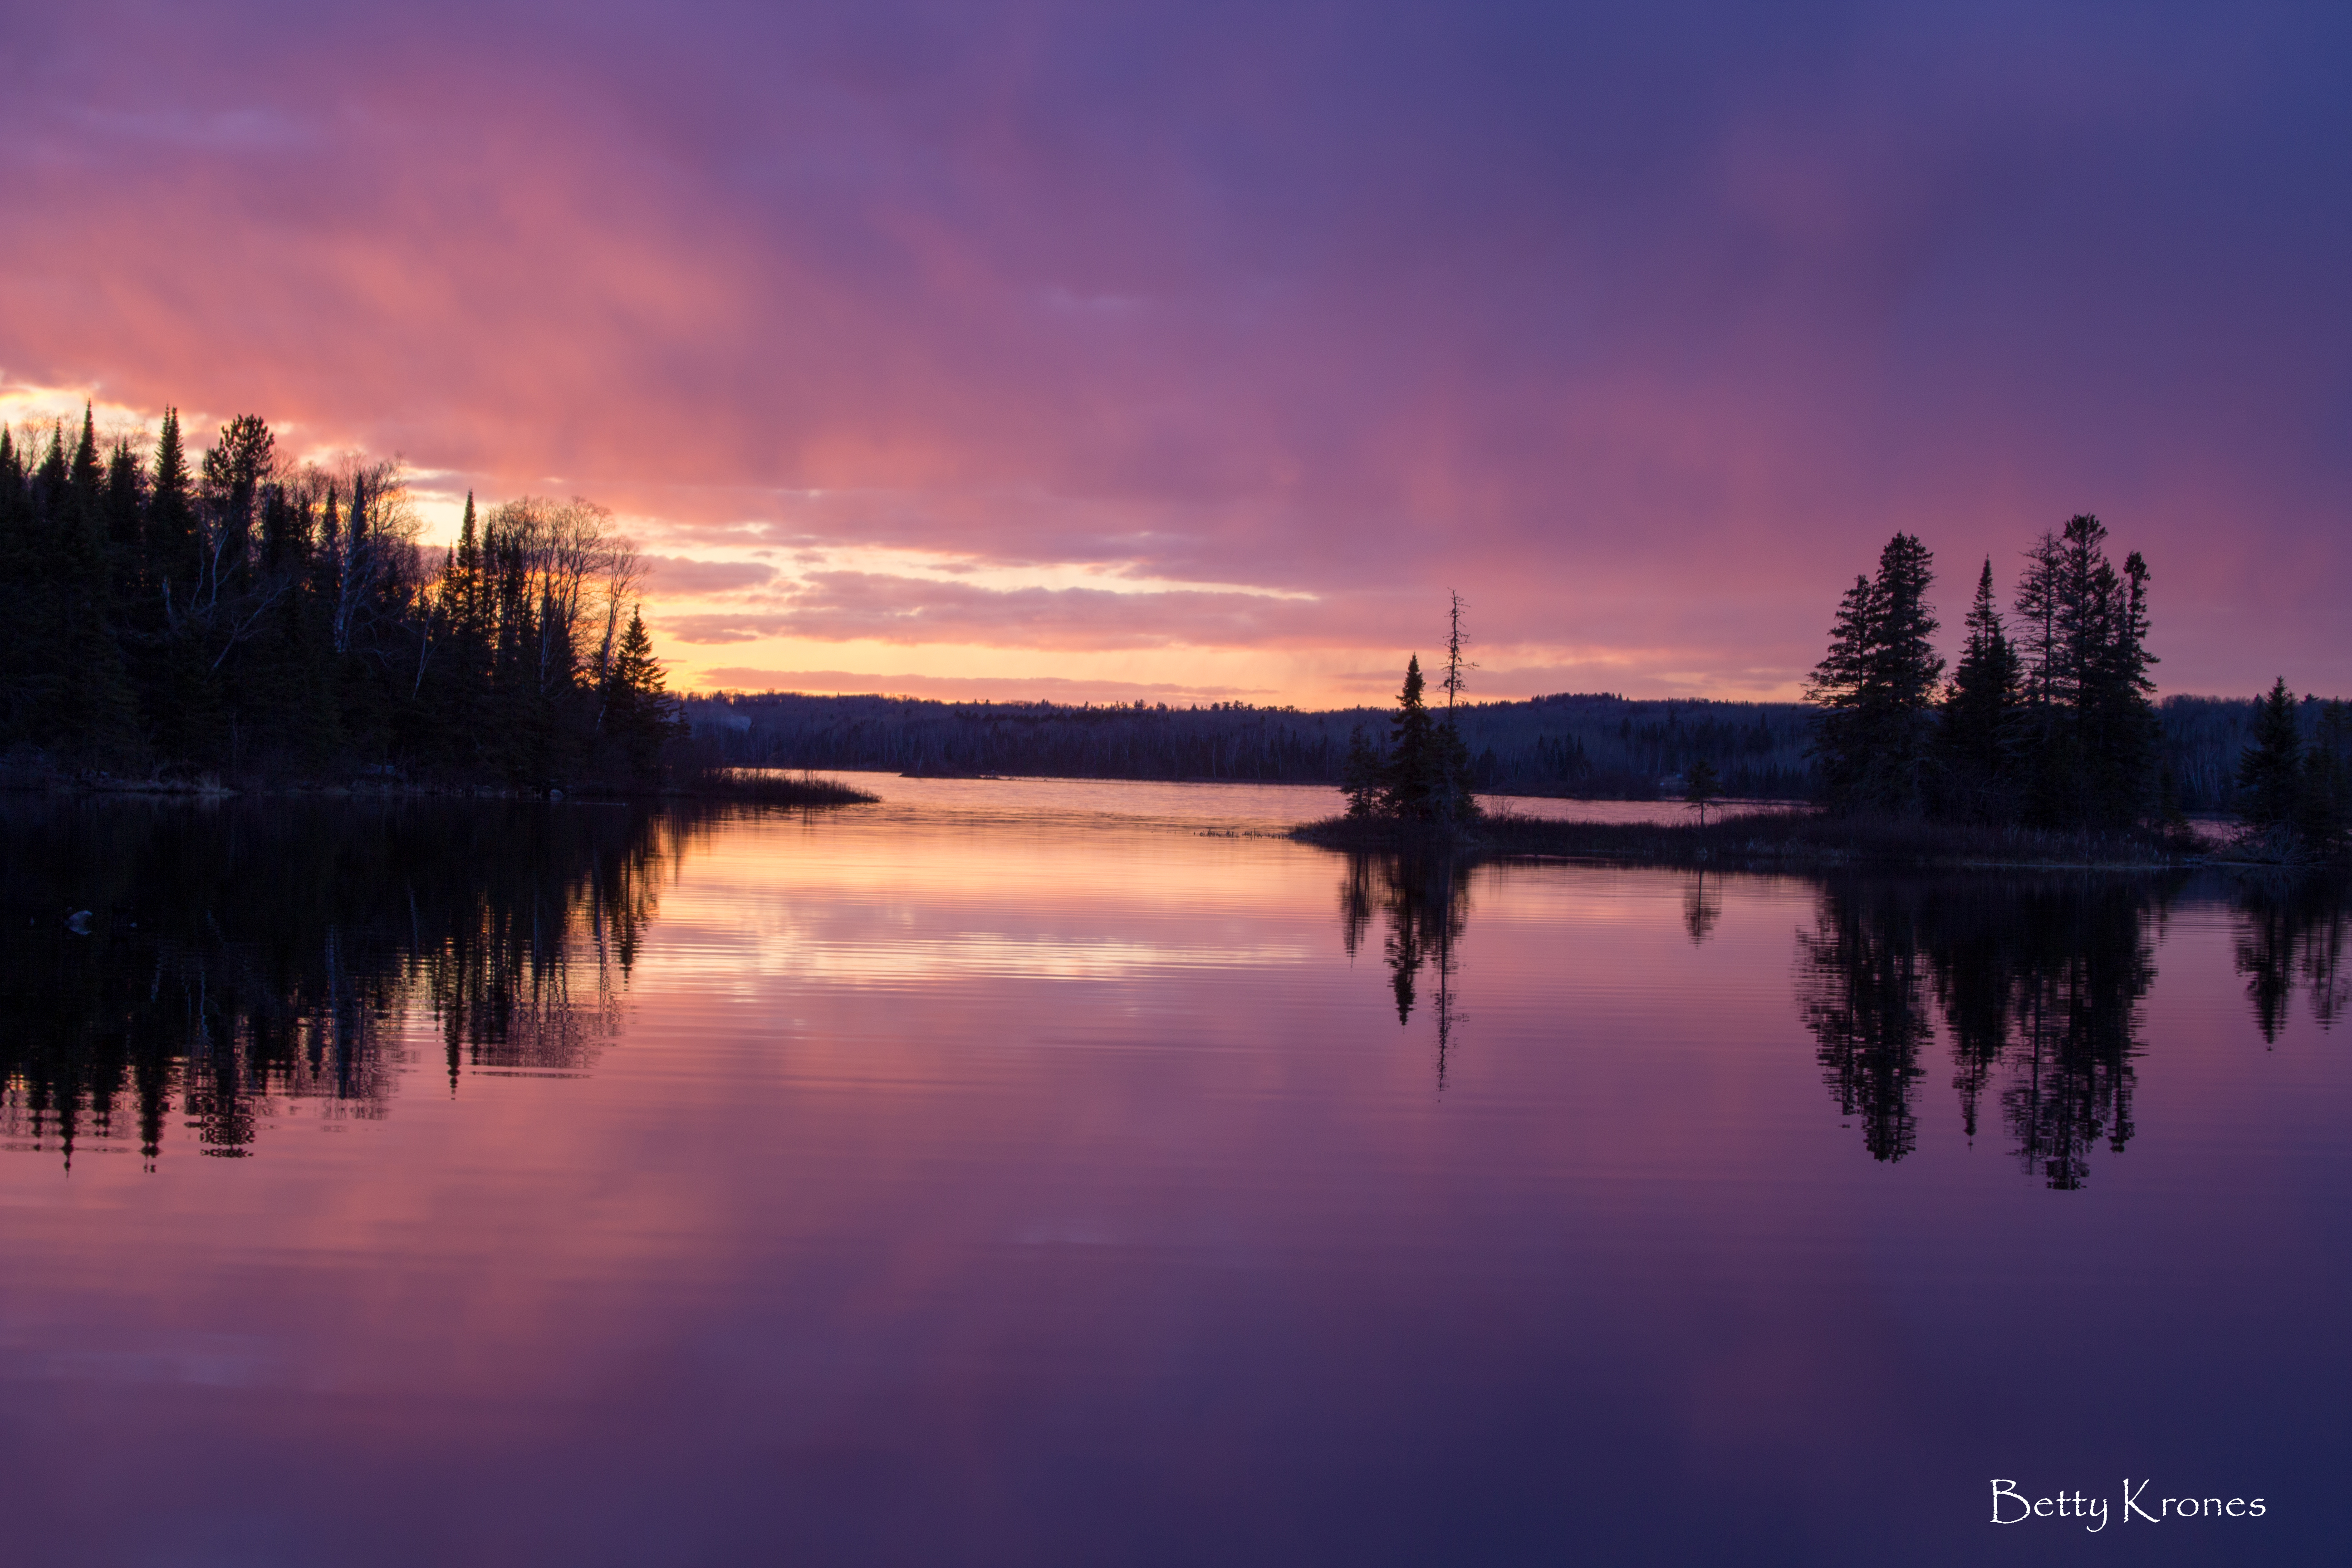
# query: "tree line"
233,612
2053,726
1592,745
2047,718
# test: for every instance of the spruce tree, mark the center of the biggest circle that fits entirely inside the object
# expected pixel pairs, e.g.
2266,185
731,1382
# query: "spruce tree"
41,678
1456,798
1980,712
18,635
2090,730
66,673
88,477
640,715
1877,687
2324,801
124,504
235,469
1414,758
173,553
2269,773
2119,722
1840,744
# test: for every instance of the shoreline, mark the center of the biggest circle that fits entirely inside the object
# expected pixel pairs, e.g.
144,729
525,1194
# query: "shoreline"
1789,841
804,790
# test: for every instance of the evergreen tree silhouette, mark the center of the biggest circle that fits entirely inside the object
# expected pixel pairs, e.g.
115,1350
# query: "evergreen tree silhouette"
2089,729
640,715
1414,755
2324,804
2270,774
1977,735
1877,687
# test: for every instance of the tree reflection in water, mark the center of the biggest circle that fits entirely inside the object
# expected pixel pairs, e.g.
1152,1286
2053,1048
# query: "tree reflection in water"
1702,906
1424,899
2290,931
241,959
2037,983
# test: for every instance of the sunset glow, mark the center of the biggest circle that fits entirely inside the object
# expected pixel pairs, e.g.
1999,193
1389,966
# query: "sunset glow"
1034,350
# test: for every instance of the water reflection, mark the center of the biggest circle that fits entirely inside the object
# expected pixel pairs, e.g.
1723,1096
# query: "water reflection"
2038,984
1424,897
2292,931
1702,906
2033,988
233,964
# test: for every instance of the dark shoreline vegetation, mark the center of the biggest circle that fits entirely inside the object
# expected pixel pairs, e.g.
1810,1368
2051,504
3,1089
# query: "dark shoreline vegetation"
1774,840
688,783
1570,746
232,621
2042,750
241,622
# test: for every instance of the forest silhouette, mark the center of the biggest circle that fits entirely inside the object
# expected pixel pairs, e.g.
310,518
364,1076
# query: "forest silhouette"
2048,718
234,613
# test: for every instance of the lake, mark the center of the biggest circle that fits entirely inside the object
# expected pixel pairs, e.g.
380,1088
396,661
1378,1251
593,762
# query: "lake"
1034,1172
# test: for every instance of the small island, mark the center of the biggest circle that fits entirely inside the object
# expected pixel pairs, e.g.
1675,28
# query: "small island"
2039,750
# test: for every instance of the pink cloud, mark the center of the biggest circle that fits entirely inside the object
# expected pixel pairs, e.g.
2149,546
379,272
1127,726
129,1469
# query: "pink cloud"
679,576
1649,358
842,606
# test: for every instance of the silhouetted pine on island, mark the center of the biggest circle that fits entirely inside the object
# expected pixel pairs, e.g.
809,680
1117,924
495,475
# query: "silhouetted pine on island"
254,621
1423,779
1876,688
2050,729
1421,787
2043,748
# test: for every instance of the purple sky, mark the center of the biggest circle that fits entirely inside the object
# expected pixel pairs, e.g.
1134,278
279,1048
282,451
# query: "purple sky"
1190,350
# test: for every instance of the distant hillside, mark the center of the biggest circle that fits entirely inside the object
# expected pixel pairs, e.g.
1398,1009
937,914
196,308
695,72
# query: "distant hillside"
1601,746
1592,745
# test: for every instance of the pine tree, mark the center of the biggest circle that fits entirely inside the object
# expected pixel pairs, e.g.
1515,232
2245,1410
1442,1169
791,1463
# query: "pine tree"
1980,712
173,553
18,635
1455,793
640,715
124,504
235,469
1877,686
2119,722
1414,764
177,681
65,670
40,678
2089,728
2269,773
88,477
2324,801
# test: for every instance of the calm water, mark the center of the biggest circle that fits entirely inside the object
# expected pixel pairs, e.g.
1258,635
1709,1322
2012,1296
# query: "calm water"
1021,1173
